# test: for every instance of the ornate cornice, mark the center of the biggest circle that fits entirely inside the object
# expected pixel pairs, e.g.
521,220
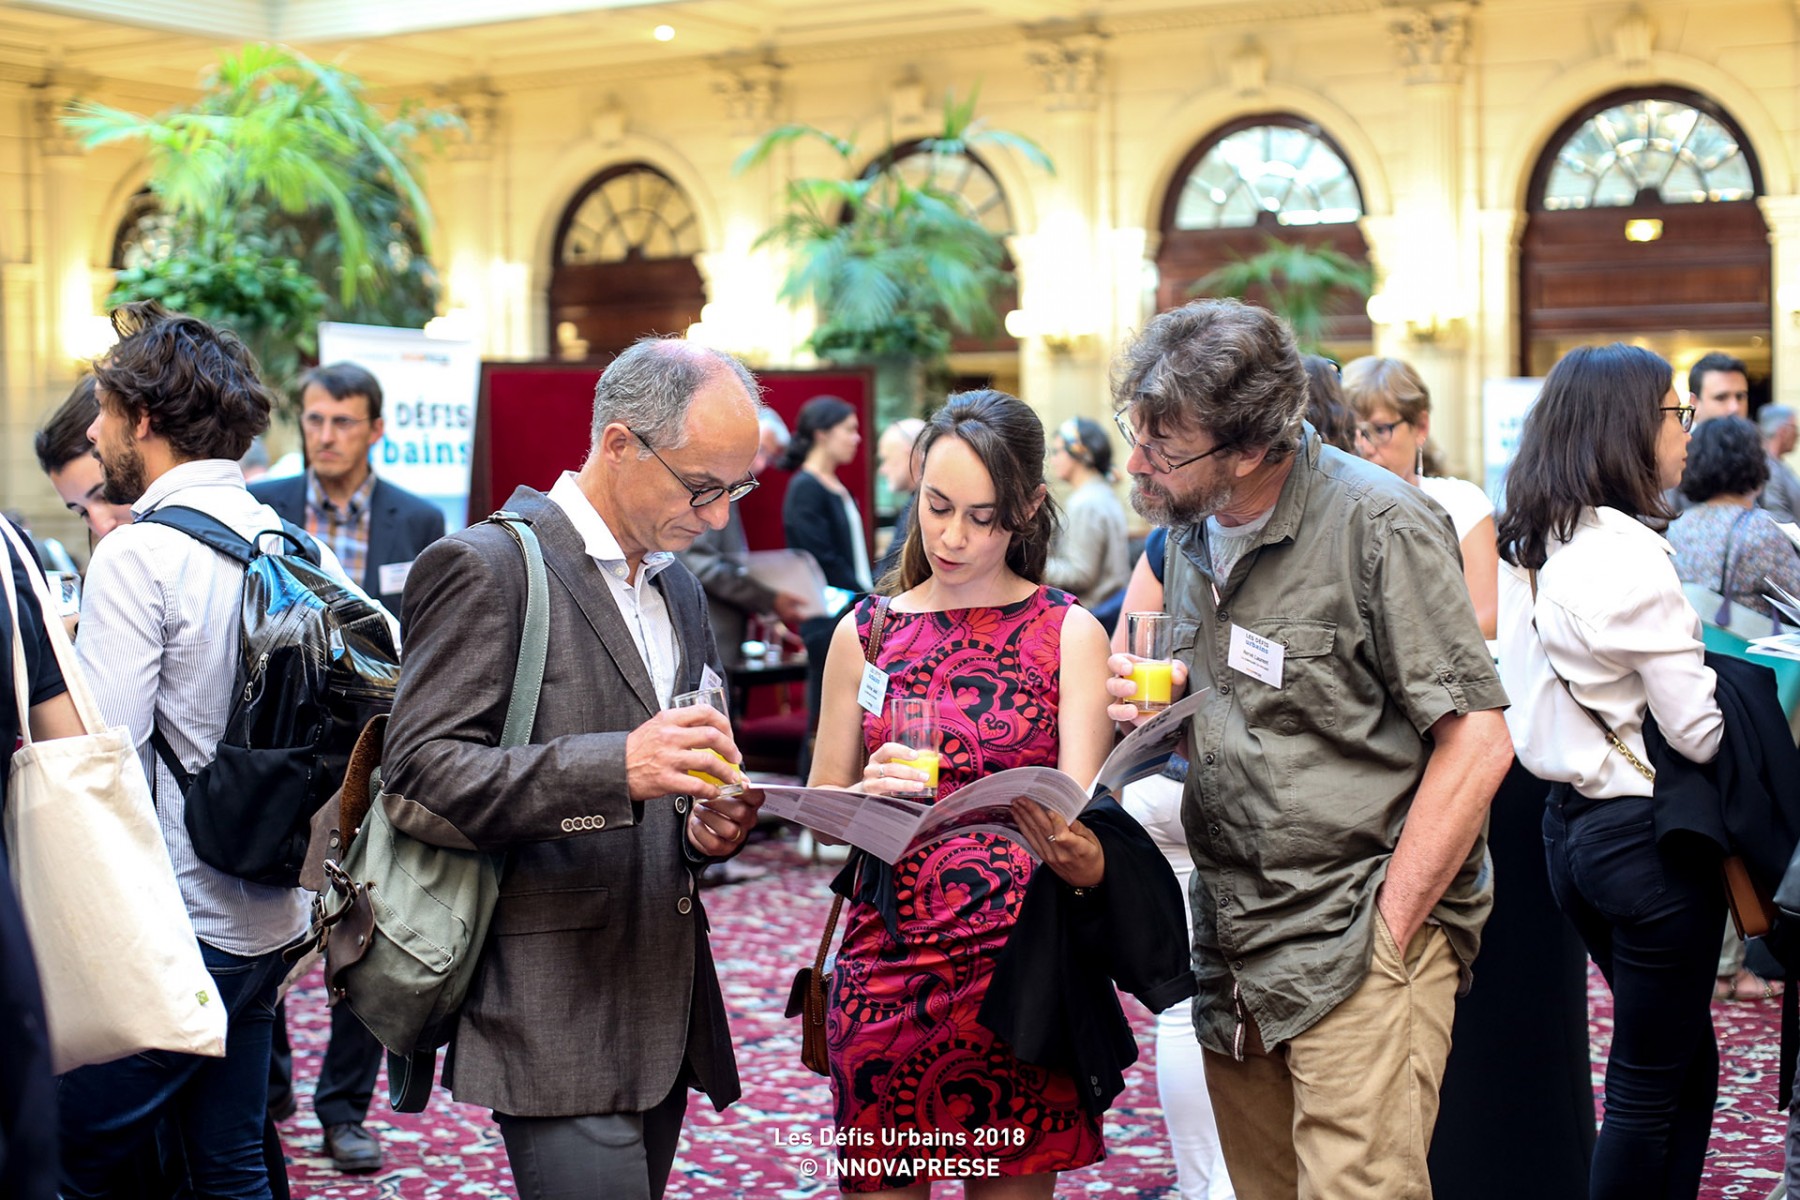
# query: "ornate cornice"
1431,41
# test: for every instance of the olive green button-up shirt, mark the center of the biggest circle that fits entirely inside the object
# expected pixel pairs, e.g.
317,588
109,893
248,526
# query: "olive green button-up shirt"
1296,795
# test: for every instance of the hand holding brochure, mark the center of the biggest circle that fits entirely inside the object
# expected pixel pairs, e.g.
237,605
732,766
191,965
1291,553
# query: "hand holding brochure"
890,829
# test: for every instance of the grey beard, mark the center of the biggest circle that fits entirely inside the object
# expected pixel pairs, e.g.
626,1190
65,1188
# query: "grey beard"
1163,508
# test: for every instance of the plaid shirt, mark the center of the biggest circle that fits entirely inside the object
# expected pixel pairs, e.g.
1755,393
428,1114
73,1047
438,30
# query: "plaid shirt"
345,530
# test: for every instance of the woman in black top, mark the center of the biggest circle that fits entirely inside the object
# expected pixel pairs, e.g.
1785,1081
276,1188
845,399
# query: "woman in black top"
819,515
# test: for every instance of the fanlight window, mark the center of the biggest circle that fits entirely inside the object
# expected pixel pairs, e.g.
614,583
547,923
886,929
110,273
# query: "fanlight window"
1659,151
964,177
638,213
1289,173
145,235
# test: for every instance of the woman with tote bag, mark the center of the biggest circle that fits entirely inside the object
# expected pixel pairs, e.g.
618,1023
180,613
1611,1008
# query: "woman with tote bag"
116,955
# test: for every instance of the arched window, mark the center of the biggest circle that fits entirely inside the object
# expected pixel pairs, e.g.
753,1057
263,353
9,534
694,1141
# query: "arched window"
624,263
1278,170
1644,226
1654,149
967,178
1266,176
961,175
144,233
631,212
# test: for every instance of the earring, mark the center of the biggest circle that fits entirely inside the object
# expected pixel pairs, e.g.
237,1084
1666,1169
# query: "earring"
1419,462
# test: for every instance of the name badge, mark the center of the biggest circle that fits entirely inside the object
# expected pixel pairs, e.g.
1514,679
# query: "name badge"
392,577
1257,657
709,678
874,687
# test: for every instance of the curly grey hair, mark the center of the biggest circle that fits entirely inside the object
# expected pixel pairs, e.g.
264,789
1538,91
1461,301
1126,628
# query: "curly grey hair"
648,388
1227,367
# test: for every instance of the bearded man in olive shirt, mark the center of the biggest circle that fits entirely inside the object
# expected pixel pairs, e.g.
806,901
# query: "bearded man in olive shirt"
1341,767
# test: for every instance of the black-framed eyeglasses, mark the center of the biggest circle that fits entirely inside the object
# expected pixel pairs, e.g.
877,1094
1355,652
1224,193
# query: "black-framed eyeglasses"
1379,433
1153,454
1684,414
701,497
317,422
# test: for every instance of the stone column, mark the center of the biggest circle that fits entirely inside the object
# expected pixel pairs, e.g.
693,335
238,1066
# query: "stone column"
742,314
42,365
467,245
1783,215
1066,282
1422,250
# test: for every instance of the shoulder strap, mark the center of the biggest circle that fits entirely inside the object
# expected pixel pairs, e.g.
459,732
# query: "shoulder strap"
877,621
1612,739
213,533
534,645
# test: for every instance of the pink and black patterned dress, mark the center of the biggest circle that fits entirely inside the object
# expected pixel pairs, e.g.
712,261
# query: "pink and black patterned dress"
913,1073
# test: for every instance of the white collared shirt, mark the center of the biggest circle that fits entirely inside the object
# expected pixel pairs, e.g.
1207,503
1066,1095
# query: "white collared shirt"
1612,618
159,645
642,606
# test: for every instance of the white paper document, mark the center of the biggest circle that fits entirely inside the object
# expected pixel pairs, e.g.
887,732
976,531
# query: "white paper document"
891,829
792,571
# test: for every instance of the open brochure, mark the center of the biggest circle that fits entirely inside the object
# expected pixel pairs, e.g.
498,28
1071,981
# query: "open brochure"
890,828
1783,645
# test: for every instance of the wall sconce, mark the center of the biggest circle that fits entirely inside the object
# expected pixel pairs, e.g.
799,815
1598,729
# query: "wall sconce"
1421,324
1643,229
88,338
1059,341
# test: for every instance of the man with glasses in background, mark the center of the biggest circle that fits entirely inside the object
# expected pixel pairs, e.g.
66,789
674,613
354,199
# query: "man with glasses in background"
1340,768
376,530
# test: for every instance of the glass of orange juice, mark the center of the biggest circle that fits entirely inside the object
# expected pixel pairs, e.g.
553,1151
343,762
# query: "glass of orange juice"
912,722
1147,640
713,698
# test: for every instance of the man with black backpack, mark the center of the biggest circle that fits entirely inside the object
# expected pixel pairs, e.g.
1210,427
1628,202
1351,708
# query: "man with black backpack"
163,641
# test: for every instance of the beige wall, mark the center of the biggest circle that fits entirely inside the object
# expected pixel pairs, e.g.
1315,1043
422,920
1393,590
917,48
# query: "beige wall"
1442,127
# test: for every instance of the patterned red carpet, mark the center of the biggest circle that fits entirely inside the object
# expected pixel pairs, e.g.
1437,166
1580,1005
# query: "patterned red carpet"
763,930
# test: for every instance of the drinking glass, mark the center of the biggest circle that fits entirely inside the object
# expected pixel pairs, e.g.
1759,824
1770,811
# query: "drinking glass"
1147,640
65,592
713,698
913,723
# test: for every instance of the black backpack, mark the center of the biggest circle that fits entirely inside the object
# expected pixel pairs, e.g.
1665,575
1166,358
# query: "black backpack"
316,663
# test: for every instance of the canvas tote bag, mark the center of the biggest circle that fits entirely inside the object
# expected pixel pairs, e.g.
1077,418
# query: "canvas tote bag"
114,945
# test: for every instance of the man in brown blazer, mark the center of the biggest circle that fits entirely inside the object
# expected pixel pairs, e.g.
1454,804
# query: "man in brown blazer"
595,1007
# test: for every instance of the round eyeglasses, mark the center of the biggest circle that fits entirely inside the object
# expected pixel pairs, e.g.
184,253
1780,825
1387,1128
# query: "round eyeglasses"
1154,454
703,496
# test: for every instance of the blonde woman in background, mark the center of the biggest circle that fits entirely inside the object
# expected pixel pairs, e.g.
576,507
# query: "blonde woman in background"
1394,410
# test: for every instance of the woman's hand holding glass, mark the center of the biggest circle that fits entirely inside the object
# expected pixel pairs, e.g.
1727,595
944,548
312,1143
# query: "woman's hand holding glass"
891,771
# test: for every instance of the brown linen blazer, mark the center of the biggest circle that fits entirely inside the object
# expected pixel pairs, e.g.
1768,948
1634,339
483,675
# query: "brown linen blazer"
596,990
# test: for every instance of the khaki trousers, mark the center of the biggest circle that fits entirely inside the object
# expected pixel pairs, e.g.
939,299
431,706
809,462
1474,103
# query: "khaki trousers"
1344,1111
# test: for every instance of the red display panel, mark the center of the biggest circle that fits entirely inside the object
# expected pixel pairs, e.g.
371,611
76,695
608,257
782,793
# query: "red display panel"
533,424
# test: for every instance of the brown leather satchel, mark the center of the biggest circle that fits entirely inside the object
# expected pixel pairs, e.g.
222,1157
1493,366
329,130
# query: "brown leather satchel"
806,999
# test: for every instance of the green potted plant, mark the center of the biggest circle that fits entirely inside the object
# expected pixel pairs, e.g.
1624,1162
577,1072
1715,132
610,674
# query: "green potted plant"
1305,284
896,267
291,198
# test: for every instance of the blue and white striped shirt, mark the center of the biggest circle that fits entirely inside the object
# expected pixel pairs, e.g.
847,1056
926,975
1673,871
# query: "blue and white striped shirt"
159,644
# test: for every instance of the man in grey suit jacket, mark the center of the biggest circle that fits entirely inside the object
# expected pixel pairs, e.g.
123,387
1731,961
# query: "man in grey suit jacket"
595,1006
377,530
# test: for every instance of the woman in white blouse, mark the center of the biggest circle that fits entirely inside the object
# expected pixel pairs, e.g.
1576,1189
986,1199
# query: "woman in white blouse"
1393,430
1596,635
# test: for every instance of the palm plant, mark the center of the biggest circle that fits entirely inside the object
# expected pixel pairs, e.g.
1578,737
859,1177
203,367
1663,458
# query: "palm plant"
282,174
896,267
1305,284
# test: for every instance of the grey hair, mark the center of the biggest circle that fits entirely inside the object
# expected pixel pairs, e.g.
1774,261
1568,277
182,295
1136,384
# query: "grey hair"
649,387
1773,419
1228,367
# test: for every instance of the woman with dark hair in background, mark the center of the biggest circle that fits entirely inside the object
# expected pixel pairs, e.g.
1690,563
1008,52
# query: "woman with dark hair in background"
1595,638
1724,541
819,515
1326,409
1091,556
1015,673
1395,429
